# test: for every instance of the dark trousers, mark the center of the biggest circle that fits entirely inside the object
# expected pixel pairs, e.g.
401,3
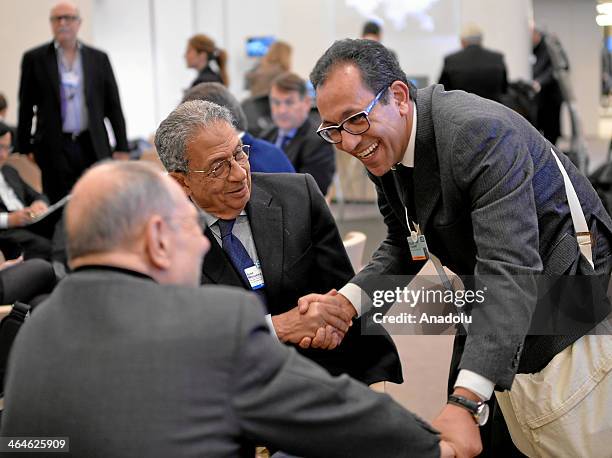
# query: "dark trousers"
76,156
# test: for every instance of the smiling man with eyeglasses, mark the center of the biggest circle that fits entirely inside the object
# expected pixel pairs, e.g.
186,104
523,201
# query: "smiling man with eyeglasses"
272,234
464,181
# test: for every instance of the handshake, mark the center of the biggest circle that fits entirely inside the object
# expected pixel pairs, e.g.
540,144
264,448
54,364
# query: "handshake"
318,321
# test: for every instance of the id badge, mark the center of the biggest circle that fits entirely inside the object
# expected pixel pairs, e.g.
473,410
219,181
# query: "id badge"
418,247
255,277
70,79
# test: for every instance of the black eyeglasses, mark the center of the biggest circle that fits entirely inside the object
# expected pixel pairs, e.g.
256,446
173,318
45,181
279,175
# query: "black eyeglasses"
221,169
355,124
65,17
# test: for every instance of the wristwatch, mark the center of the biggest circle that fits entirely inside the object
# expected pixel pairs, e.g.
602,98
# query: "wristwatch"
479,410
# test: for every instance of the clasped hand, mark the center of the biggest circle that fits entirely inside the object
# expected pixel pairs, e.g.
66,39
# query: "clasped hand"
318,321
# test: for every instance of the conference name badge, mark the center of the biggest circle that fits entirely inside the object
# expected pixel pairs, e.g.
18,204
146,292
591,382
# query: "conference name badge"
418,246
255,277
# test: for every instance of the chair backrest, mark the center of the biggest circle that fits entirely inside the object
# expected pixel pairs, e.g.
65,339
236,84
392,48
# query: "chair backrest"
354,244
28,170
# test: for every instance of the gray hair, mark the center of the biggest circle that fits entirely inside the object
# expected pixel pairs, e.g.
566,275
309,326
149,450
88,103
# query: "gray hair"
103,221
181,126
471,34
219,94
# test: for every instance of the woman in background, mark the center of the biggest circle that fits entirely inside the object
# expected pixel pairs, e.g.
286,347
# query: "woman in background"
276,61
201,51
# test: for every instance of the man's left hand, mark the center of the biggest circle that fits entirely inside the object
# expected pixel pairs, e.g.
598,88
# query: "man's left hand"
458,427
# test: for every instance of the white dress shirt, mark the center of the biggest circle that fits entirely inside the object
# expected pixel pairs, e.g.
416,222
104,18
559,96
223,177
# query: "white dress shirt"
10,200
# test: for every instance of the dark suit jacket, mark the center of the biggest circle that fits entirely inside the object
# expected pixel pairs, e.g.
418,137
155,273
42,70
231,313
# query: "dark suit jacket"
40,88
301,252
476,70
129,368
309,153
491,202
24,192
265,157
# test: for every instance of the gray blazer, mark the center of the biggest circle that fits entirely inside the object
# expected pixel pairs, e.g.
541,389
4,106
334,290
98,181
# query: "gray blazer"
126,367
491,202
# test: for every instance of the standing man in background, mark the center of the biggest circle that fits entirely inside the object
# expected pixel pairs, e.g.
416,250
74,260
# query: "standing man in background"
475,69
70,89
549,95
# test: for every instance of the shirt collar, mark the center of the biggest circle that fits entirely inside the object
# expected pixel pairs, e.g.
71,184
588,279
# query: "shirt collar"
57,46
408,159
123,270
211,219
288,134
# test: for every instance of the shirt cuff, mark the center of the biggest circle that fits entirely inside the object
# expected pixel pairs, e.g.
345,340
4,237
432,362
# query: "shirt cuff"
356,296
4,220
271,325
479,385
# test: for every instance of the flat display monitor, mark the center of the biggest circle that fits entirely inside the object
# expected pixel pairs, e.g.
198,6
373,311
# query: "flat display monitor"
258,46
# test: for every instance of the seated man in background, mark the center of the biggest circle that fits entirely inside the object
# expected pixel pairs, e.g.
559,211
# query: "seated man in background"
295,133
263,156
19,204
128,358
273,234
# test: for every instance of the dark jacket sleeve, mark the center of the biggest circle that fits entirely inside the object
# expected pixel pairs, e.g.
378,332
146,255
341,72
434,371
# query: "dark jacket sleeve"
283,400
112,106
318,158
27,97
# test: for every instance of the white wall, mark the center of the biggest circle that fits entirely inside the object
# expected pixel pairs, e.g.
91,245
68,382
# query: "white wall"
573,21
126,38
146,41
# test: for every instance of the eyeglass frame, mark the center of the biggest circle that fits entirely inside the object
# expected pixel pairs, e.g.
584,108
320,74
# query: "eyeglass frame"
340,127
69,18
246,149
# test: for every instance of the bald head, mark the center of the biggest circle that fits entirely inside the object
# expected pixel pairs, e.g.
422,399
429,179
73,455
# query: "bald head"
130,215
65,23
110,204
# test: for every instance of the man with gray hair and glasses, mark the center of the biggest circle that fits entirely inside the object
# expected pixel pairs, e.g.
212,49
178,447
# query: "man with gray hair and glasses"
129,358
272,234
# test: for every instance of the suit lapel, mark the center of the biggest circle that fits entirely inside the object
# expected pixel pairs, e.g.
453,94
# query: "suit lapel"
293,147
426,170
87,63
266,221
52,71
11,177
217,268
